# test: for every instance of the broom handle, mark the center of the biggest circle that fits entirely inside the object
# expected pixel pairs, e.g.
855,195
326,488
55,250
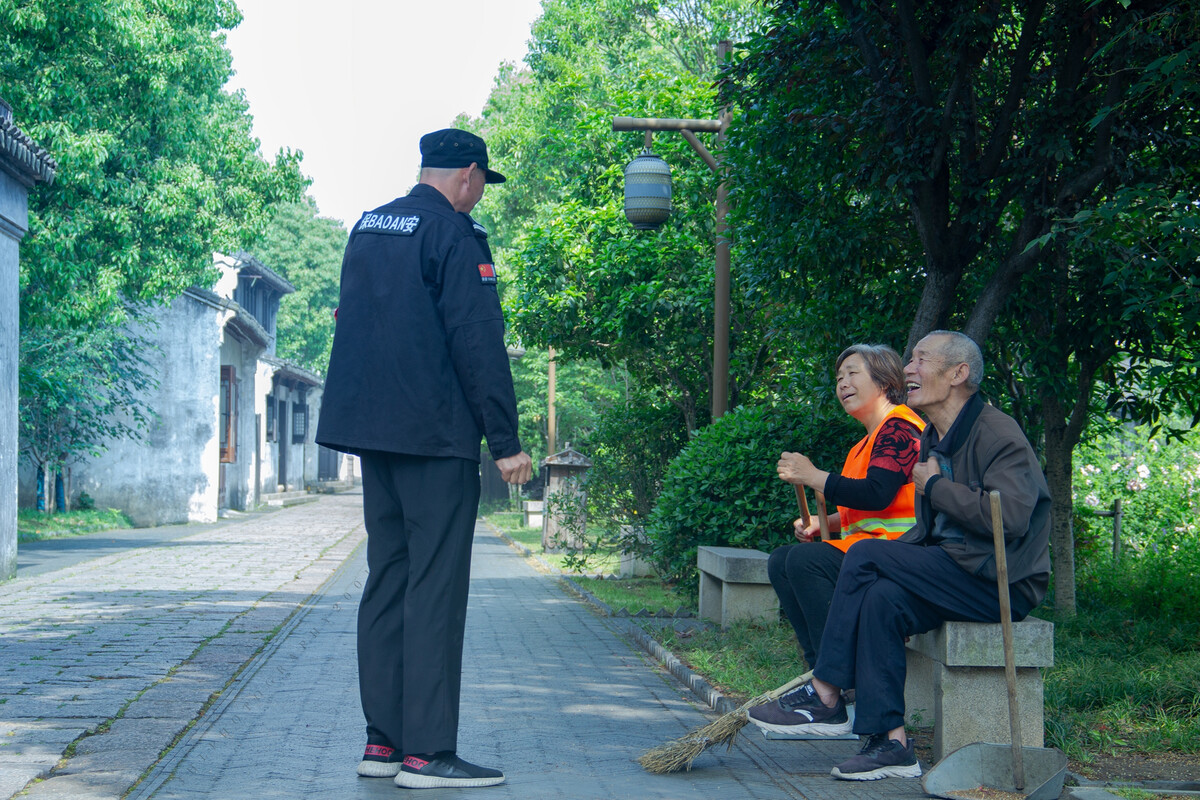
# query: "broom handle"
1010,668
822,516
775,694
802,501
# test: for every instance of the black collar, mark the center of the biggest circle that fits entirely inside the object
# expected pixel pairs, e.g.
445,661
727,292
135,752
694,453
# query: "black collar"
956,437
427,192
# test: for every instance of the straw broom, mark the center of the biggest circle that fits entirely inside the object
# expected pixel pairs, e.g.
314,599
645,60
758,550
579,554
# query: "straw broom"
679,754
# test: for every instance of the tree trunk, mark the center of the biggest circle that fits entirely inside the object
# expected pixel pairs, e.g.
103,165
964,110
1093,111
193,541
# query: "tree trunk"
1059,475
41,488
941,282
60,492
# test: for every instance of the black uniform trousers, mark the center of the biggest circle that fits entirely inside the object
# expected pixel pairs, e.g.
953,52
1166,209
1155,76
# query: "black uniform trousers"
420,517
887,591
803,575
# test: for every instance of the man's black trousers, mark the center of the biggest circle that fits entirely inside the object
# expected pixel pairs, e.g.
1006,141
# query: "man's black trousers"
420,518
887,591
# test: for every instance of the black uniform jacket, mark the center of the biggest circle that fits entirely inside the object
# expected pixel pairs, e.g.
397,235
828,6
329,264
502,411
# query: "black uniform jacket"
419,364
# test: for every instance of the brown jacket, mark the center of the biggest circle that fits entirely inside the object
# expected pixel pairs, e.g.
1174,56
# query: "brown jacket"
990,452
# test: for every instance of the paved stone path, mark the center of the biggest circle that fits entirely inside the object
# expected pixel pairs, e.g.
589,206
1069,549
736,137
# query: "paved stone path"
236,645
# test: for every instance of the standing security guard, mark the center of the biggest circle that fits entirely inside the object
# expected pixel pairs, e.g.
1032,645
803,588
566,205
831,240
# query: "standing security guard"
418,375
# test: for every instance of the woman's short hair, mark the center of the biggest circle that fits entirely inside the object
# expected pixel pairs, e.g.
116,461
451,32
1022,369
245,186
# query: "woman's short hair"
883,365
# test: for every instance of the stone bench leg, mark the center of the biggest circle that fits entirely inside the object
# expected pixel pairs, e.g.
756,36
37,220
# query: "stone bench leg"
710,597
724,602
734,585
968,702
748,601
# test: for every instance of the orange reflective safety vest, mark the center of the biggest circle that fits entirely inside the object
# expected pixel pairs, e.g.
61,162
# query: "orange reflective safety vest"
886,523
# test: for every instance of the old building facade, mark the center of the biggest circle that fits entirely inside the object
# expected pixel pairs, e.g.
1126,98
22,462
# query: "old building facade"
231,429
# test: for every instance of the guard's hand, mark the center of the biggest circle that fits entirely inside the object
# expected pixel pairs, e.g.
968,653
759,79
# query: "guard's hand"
516,469
795,468
922,472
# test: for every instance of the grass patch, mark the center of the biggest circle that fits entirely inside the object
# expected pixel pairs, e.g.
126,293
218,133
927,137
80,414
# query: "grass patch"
1124,684
511,523
1118,685
635,594
35,525
741,661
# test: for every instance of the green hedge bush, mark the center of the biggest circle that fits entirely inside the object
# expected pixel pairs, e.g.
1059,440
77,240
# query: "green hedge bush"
722,488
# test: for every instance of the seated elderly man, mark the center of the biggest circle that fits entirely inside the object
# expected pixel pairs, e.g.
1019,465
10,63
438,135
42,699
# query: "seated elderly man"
942,569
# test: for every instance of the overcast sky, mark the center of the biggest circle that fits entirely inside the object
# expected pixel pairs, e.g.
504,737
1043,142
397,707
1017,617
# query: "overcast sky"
354,85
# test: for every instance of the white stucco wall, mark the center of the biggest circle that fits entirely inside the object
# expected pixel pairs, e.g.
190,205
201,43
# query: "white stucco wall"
267,461
170,475
311,451
13,222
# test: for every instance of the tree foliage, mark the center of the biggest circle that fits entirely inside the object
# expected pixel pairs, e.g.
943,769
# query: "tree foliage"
1027,169
307,250
588,284
583,393
157,167
78,390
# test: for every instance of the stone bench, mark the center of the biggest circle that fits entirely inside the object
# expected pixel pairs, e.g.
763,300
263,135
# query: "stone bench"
532,510
734,585
956,682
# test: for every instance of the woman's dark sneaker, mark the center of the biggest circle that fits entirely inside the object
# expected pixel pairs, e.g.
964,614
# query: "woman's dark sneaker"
802,711
379,761
444,769
880,757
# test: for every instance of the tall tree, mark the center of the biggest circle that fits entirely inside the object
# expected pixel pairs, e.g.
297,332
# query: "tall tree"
307,250
157,169
953,150
589,285
157,164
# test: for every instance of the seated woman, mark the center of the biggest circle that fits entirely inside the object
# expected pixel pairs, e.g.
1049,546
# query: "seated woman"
874,495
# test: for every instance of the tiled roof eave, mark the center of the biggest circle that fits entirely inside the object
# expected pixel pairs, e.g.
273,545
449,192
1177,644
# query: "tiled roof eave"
23,158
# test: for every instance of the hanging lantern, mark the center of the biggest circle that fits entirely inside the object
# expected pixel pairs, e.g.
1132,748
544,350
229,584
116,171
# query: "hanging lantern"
647,191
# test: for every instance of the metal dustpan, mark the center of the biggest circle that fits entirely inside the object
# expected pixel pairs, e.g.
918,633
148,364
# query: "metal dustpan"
982,771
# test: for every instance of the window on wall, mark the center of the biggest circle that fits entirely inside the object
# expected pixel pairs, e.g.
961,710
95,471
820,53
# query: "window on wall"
228,419
271,418
299,422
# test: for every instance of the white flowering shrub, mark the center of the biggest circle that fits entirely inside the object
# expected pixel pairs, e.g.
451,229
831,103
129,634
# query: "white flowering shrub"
1158,484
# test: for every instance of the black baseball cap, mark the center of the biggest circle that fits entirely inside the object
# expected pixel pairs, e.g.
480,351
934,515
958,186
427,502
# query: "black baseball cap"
451,148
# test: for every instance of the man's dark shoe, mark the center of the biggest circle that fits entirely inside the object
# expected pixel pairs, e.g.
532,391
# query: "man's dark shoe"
880,757
379,761
444,769
801,711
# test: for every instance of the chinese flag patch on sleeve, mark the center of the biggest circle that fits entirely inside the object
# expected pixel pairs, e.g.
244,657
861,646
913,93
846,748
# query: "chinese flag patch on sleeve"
487,273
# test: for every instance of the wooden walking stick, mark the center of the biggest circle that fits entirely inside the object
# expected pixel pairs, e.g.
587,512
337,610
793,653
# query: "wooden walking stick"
1006,630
